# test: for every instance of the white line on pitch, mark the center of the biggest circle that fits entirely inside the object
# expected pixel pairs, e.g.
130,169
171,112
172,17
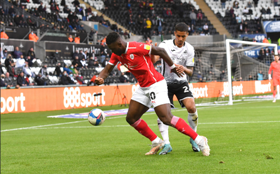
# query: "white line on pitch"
34,127
127,125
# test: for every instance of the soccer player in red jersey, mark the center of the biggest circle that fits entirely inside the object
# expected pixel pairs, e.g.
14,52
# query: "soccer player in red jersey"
275,67
152,91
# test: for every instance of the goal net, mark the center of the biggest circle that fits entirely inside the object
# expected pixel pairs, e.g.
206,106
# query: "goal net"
231,71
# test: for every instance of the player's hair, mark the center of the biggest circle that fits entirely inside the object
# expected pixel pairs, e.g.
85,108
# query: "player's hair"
112,37
182,26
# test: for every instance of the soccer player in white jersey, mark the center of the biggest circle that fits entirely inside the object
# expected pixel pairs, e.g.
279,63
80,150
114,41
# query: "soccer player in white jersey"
182,54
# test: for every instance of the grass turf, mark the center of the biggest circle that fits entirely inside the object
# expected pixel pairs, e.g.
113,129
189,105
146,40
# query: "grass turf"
242,138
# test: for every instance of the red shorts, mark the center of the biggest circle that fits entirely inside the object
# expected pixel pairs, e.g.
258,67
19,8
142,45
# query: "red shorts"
276,81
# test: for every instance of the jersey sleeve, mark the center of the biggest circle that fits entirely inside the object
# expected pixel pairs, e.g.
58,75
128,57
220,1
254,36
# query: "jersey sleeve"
144,49
114,60
270,68
190,57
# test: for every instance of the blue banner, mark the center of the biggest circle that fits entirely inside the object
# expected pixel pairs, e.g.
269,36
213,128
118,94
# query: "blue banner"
258,37
271,26
255,53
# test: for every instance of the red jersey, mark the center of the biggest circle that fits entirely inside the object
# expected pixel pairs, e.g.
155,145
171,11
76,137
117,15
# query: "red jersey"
275,67
137,59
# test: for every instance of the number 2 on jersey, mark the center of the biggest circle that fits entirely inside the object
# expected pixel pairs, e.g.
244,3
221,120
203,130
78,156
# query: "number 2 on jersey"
186,89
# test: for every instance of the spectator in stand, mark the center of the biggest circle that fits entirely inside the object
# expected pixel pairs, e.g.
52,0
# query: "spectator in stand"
260,75
31,53
199,15
123,78
27,71
245,11
265,40
76,63
149,26
8,61
193,17
17,53
70,38
8,80
231,11
259,27
261,54
223,76
12,11
41,8
206,28
91,62
20,62
228,12
149,41
11,69
5,53
240,28
238,19
55,56
44,72
96,64
268,11
263,11
102,53
250,78
223,2
81,55
126,35
66,9
21,80
29,60
3,35
64,79
91,34
57,71
236,4
168,12
76,53
77,39
84,63
76,3
30,22
33,37
40,80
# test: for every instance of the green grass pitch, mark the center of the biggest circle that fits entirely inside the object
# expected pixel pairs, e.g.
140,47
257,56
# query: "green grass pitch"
243,138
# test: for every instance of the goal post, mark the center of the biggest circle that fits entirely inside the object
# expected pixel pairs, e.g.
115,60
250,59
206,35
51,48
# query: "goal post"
228,57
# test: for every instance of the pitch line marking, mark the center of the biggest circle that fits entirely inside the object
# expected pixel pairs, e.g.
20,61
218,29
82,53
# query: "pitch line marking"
34,127
104,126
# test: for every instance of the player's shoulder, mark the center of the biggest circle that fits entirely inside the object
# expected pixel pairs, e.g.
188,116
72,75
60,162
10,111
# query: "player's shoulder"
167,42
188,46
114,56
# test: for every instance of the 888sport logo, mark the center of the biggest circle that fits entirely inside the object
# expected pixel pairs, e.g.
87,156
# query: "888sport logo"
72,97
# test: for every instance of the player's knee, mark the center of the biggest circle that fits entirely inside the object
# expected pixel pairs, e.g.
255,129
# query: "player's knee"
130,120
191,109
166,120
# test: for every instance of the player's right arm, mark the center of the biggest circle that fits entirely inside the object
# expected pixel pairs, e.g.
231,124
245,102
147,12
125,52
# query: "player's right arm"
269,71
104,74
106,71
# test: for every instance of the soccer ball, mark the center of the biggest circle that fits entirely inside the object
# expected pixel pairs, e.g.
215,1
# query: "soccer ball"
96,117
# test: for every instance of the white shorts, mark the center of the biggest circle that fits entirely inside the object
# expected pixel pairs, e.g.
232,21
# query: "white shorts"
153,95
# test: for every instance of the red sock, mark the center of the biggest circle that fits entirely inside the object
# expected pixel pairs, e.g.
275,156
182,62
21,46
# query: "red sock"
142,127
274,93
183,127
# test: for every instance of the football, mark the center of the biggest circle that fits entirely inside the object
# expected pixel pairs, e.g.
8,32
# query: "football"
96,117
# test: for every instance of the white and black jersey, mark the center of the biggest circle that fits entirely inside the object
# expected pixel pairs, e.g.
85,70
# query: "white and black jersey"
183,56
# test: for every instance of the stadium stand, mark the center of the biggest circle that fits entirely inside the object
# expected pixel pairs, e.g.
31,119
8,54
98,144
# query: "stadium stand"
245,16
135,14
